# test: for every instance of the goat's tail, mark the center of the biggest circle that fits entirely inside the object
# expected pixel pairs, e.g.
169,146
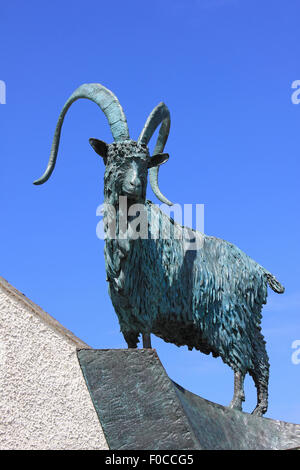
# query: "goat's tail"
274,284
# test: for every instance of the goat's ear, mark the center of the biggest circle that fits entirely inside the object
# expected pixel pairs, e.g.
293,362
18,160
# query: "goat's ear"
158,159
100,147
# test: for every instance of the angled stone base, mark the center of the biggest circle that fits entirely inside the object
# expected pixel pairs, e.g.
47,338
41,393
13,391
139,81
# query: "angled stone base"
139,407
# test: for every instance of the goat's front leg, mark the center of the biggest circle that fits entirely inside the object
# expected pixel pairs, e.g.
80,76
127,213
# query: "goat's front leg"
239,394
131,338
147,340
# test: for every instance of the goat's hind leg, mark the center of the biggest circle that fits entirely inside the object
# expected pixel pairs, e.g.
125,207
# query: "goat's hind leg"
262,398
260,375
239,394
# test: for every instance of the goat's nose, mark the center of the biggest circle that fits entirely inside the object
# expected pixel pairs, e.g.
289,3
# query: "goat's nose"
135,183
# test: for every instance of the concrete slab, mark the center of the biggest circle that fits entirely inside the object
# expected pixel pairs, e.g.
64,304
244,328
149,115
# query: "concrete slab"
141,408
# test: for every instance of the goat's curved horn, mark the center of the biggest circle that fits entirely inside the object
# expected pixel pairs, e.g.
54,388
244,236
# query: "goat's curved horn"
108,103
159,115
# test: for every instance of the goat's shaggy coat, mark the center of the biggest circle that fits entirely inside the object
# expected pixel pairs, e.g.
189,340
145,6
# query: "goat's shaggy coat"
210,298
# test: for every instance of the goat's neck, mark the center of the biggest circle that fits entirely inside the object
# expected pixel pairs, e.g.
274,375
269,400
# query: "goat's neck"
117,223
121,251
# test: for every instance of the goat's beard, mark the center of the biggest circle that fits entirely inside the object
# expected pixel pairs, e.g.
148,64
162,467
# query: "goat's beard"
114,192
132,199
114,199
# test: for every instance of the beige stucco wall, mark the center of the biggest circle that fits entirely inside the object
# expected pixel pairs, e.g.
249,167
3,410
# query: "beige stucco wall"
44,401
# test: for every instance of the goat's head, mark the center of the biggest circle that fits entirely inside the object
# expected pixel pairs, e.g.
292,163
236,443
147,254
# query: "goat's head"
126,168
127,162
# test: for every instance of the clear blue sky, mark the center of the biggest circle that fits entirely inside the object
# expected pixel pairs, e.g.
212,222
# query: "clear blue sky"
225,69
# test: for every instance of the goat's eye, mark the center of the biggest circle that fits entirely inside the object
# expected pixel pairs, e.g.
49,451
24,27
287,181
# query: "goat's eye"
139,157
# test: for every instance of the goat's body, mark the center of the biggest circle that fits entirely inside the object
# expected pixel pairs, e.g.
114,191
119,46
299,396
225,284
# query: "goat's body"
209,299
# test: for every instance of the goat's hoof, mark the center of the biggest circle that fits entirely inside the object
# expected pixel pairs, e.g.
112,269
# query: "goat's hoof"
259,411
234,405
237,402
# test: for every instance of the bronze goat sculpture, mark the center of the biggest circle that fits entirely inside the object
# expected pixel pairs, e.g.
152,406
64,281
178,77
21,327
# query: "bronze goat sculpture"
209,299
